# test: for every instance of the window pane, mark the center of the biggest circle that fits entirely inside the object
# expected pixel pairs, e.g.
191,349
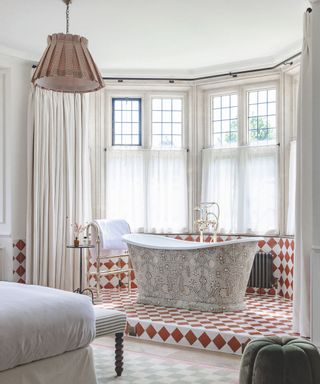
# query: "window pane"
166,140
176,117
117,140
166,129
225,101
117,105
135,105
135,139
117,128
234,113
234,100
272,108
166,104
126,124
225,113
262,96
156,117
126,128
217,140
217,102
135,116
271,122
156,128
233,125
166,117
225,125
262,117
156,104
167,122
225,119
217,114
253,123
156,141
176,104
126,116
253,97
176,141
126,105
126,139
272,95
117,116
176,129
262,109
217,126
253,110
135,129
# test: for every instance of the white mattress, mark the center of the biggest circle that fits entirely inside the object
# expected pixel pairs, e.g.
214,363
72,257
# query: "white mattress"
38,322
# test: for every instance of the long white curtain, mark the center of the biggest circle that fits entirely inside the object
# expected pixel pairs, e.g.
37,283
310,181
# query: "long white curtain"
148,188
58,184
292,188
244,182
303,235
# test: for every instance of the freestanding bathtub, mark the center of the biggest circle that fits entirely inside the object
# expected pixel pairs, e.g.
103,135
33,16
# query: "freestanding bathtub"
185,274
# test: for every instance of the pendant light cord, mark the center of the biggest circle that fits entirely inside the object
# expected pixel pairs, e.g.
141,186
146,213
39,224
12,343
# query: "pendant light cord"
67,17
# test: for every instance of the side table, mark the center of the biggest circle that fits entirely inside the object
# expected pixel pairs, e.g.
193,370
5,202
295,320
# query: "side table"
80,290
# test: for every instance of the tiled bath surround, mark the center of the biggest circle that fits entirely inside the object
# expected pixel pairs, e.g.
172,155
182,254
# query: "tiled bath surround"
221,332
282,250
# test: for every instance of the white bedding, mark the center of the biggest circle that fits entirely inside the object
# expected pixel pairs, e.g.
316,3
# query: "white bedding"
38,322
68,368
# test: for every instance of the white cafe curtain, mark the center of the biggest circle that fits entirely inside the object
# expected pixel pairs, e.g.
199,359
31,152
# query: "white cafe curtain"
244,182
58,184
303,231
148,188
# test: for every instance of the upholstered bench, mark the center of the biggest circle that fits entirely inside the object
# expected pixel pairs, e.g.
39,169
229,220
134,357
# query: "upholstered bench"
280,360
110,322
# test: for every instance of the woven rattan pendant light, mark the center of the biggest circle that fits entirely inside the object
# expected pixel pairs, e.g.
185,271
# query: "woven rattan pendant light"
67,65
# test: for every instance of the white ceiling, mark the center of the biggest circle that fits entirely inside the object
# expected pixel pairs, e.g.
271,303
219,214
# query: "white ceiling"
160,37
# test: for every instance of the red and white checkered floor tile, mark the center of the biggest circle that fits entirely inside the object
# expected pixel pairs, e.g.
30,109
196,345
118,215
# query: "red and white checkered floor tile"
225,332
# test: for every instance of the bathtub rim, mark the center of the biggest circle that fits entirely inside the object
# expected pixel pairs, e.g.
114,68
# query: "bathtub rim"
169,243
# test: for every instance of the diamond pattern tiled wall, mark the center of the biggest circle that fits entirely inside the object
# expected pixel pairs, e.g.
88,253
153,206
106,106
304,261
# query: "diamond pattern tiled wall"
19,261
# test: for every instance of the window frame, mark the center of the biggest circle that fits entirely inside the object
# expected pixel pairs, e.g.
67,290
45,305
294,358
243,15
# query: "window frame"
210,121
113,100
183,119
242,92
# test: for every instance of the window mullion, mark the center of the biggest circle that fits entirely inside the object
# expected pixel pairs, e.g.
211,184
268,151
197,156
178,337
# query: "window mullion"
243,136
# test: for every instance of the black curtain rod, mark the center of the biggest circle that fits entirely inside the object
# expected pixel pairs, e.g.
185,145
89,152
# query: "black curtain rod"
288,61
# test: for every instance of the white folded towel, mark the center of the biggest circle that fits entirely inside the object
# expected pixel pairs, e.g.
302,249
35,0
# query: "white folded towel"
111,232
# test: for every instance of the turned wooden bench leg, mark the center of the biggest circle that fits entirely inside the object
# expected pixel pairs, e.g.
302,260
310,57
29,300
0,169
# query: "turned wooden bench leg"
119,353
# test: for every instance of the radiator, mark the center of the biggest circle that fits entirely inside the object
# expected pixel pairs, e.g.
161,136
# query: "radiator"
261,273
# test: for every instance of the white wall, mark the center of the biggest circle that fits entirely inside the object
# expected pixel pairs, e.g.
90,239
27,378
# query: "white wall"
14,86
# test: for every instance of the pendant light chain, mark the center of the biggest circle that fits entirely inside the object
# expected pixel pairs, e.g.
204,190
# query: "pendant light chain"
67,17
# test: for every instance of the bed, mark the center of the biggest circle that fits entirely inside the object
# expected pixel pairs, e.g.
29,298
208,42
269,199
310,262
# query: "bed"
45,336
